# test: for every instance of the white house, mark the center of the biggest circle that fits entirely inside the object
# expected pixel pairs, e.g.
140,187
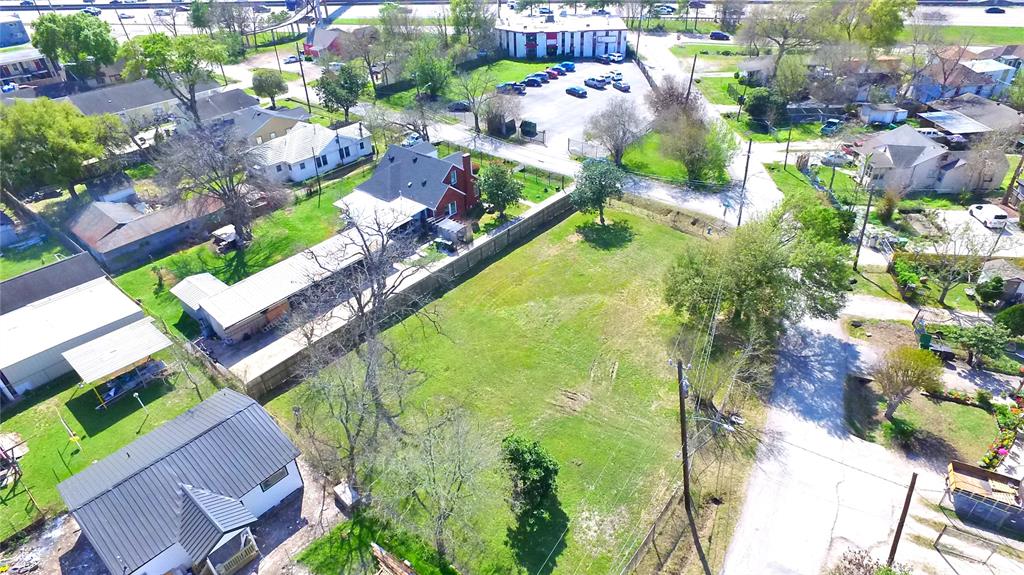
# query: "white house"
307,149
1000,74
186,495
881,114
571,36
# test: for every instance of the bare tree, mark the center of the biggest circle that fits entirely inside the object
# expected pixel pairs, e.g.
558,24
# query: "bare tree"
987,159
210,165
416,120
615,127
477,90
673,97
945,60
787,27
169,22
440,25
903,370
501,108
365,47
954,257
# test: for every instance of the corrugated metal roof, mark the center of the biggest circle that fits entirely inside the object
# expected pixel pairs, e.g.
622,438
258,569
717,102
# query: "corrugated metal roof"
206,517
106,226
193,289
121,348
129,504
955,123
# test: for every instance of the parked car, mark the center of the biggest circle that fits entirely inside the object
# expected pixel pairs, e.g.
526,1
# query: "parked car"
161,12
576,91
545,11
458,106
621,86
995,10
594,83
92,11
552,75
716,35
600,12
291,60
260,9
990,215
568,66
664,10
604,59
532,82
511,88
616,57
112,2
542,76
616,75
558,70
411,139
837,159
126,16
830,127
27,3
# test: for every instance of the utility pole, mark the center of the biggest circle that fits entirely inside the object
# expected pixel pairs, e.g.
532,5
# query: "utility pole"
123,29
903,518
689,85
832,180
273,38
316,167
789,138
743,190
867,214
302,71
1013,180
684,391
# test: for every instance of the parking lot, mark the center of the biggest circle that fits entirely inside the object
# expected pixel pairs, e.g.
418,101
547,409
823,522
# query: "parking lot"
563,116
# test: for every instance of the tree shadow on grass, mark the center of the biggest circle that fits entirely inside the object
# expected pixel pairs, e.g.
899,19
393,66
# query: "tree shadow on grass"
922,445
861,408
538,537
93,421
607,237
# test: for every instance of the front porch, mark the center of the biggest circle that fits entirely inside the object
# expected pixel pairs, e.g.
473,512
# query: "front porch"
231,555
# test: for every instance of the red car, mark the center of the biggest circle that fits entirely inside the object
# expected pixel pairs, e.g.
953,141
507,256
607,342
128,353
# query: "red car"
551,74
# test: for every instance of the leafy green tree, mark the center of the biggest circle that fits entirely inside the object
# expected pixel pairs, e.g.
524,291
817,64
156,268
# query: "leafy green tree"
81,42
904,370
471,19
990,291
790,77
704,147
597,182
429,68
340,90
533,473
529,5
1012,318
176,64
981,340
268,84
498,186
1015,94
44,142
200,15
762,103
885,21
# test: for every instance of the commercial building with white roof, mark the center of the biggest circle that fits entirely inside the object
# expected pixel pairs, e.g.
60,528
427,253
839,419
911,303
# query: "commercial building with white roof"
48,322
565,36
308,148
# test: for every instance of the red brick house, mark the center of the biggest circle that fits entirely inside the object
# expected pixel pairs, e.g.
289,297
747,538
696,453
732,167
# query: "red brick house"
413,185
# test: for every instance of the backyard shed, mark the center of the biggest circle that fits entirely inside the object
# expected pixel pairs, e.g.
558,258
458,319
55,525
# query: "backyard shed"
185,495
191,290
1013,277
881,114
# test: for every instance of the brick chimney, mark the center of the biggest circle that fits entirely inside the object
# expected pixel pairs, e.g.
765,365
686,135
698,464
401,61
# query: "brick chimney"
468,186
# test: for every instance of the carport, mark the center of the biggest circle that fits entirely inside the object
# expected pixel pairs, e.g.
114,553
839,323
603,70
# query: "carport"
119,361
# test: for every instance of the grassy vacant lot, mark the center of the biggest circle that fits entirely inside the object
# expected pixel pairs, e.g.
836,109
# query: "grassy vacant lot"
790,181
714,89
977,35
16,262
943,430
757,131
348,544
646,156
52,458
713,61
500,71
563,340
276,237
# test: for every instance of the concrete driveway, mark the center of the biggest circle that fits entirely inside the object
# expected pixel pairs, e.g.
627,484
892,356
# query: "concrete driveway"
1008,242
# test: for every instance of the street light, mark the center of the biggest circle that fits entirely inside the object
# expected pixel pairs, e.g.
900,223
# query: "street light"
139,399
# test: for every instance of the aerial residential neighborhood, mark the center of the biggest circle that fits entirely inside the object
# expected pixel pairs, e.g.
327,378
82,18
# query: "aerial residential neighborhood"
512,286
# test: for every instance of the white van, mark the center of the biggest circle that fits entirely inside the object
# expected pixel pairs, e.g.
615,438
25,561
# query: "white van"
990,215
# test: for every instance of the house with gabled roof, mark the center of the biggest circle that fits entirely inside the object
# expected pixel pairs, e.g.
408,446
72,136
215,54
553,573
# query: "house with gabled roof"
1011,55
950,78
185,495
306,150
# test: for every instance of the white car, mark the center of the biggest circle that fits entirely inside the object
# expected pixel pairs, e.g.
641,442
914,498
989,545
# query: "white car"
990,215
616,57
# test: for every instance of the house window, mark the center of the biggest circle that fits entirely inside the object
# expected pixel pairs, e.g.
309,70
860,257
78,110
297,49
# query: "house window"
317,160
323,160
279,167
259,139
273,135
274,478
361,145
347,152
453,178
302,165
452,208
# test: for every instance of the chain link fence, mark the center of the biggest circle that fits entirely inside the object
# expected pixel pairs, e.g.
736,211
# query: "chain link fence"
585,149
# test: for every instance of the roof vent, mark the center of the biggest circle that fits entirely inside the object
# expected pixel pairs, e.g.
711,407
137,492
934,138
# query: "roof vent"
414,158
409,185
424,183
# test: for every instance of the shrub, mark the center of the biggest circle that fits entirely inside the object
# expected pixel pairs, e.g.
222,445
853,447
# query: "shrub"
932,387
899,431
984,399
906,273
991,290
1012,318
887,207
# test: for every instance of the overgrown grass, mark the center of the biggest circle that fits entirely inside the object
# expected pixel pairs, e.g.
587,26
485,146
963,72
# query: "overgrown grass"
647,156
713,60
794,182
16,262
564,340
52,457
276,236
500,71
749,129
348,545
714,89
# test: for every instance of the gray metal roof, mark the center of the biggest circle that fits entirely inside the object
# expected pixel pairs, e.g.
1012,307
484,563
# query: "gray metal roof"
206,517
46,281
130,503
406,173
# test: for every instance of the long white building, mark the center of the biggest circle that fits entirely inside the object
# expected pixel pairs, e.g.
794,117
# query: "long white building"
569,36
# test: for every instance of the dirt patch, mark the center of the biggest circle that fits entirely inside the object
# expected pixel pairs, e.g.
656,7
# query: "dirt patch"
575,238
881,333
597,531
571,401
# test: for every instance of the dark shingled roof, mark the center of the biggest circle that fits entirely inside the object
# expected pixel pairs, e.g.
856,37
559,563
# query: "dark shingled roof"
223,103
46,281
132,504
121,97
409,174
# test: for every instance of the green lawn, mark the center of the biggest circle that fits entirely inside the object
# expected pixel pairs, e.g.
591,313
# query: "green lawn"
142,171
490,221
647,157
956,298
16,262
948,430
276,237
563,340
52,458
791,181
757,131
285,74
714,89
538,185
876,283
348,544
500,71
713,60
977,35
